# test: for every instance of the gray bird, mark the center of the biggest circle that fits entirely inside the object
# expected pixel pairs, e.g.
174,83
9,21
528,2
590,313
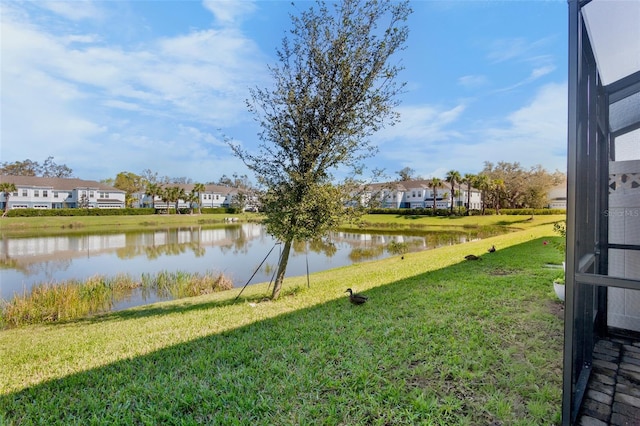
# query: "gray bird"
356,298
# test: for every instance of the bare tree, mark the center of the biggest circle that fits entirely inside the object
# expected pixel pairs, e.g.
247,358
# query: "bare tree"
334,87
33,168
406,174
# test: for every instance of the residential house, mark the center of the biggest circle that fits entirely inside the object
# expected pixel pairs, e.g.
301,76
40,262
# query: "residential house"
418,194
213,196
557,197
36,192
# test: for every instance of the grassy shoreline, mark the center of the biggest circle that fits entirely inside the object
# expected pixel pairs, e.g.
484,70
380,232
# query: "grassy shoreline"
442,341
52,225
19,226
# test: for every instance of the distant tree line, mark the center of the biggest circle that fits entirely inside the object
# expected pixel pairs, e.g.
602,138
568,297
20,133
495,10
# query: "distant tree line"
48,168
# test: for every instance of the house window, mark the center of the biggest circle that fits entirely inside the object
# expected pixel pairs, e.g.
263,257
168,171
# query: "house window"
55,194
36,192
91,194
24,193
45,193
419,193
15,194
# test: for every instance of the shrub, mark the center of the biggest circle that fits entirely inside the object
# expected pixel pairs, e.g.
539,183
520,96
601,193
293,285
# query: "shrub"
79,212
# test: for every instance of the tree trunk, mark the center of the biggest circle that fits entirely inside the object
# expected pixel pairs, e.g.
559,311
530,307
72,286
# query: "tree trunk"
434,202
6,204
282,268
453,193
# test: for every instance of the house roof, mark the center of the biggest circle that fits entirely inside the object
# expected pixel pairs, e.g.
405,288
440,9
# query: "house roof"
216,189
413,184
60,184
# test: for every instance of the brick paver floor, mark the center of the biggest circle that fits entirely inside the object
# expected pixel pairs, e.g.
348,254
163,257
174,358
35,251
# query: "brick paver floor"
613,392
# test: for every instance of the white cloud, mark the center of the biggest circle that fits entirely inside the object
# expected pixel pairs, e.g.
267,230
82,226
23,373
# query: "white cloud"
65,95
541,71
472,81
533,76
518,48
229,11
534,134
74,10
434,140
507,49
419,123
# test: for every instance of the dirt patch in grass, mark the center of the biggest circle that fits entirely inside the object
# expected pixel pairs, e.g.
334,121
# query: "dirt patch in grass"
556,308
502,272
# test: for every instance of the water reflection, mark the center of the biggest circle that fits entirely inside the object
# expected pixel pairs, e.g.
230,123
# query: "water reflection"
235,250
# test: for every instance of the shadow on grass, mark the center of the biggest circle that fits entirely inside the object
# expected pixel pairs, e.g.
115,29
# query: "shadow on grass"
177,306
459,345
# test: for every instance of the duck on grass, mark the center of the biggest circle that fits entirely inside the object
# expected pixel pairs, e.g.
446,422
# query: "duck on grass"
356,298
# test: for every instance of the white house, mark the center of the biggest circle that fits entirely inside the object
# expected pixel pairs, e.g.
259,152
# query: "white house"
418,194
56,193
557,197
212,196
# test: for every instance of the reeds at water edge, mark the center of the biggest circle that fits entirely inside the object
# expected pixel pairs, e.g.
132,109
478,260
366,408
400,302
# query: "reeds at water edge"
72,299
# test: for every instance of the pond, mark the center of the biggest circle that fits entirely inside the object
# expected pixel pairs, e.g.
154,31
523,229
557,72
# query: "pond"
237,251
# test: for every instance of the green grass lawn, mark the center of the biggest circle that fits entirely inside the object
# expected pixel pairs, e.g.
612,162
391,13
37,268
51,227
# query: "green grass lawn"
441,341
51,225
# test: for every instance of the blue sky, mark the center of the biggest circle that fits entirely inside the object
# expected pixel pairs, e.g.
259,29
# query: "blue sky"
111,86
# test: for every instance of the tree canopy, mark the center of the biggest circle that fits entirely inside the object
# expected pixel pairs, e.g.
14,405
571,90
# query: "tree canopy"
519,187
32,168
334,86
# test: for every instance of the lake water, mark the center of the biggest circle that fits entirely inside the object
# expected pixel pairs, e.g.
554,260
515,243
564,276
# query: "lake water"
235,250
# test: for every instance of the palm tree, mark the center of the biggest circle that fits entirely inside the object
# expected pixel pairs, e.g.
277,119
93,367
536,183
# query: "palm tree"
198,189
191,198
165,196
453,176
482,182
153,190
7,188
498,188
469,179
435,183
175,194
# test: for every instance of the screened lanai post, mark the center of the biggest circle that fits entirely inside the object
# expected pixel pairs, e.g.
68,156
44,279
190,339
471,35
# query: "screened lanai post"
603,187
575,24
